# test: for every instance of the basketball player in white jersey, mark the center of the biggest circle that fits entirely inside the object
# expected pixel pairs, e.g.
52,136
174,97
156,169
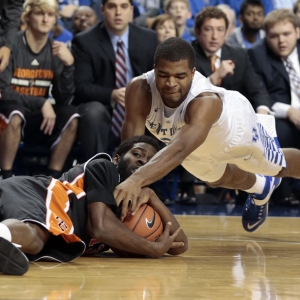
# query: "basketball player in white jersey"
213,133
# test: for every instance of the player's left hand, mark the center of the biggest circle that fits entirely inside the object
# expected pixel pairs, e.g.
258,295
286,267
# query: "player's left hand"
4,57
126,194
61,50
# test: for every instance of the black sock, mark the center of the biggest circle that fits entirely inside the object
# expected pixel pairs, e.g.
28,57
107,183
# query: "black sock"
6,173
54,173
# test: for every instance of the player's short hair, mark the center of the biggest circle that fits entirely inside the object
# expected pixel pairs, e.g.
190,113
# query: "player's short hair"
168,4
247,3
279,15
45,5
209,12
175,49
128,144
105,1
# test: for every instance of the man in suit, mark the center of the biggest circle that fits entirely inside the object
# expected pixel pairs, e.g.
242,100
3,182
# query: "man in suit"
273,58
10,11
231,68
95,53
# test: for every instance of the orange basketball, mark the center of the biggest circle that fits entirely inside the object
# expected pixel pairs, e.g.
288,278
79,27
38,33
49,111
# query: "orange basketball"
145,223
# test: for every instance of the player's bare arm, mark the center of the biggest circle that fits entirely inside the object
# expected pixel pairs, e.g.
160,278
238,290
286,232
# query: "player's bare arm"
201,114
104,226
138,105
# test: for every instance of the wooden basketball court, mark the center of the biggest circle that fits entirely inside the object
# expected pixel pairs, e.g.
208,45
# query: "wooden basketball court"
223,262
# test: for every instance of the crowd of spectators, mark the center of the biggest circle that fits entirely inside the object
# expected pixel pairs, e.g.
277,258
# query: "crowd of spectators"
61,83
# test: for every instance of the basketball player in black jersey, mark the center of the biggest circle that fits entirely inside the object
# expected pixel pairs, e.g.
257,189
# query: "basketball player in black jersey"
77,214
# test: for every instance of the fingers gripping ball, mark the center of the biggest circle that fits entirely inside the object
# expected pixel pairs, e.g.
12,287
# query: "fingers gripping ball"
145,223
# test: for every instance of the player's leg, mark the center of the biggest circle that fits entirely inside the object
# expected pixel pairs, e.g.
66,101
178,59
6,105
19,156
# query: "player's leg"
62,149
292,157
17,238
9,142
260,189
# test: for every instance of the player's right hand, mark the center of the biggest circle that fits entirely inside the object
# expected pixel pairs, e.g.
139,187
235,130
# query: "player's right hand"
49,118
166,241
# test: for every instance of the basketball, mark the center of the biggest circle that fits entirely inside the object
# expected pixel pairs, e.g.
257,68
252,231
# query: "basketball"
145,223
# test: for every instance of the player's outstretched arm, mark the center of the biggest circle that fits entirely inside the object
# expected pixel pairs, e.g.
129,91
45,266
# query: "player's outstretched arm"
137,106
200,116
104,226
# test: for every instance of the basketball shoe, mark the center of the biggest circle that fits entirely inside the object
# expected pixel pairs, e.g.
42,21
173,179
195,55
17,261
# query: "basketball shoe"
256,206
12,260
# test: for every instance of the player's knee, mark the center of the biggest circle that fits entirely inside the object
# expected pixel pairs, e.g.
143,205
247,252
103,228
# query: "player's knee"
15,122
37,242
73,124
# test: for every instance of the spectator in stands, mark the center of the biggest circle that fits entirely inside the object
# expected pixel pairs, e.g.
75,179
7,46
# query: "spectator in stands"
165,27
251,18
236,4
10,12
84,18
180,11
226,66
147,11
67,9
100,85
37,62
276,61
230,14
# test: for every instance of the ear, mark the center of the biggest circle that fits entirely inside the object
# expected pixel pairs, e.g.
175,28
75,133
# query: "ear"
193,72
102,9
116,159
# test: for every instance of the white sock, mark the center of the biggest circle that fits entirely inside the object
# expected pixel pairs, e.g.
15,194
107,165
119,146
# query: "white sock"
258,186
5,232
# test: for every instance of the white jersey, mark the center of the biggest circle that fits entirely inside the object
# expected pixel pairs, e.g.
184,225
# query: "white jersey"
232,139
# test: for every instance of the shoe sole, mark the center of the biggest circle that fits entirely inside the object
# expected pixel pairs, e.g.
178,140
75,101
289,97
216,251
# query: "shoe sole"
12,260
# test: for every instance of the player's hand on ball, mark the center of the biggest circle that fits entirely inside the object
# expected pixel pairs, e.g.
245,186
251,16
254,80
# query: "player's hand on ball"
166,241
143,198
126,194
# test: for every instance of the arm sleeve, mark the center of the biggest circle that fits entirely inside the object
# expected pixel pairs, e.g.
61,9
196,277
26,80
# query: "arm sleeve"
86,89
63,83
100,179
10,20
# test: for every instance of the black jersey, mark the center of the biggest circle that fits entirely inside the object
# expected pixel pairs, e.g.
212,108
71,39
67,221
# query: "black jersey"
28,77
60,206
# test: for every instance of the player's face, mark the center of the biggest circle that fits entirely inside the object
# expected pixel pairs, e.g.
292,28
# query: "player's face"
282,38
253,17
135,158
117,15
84,18
41,21
211,35
173,81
